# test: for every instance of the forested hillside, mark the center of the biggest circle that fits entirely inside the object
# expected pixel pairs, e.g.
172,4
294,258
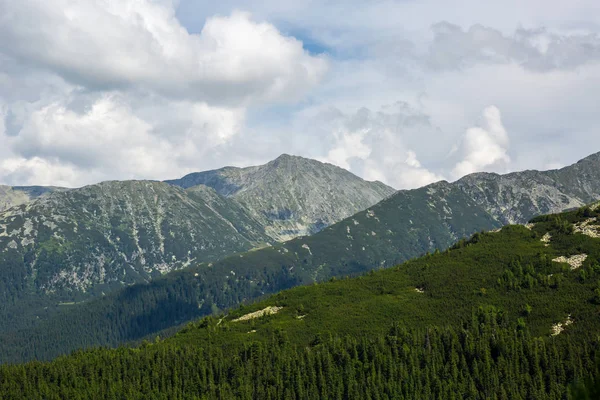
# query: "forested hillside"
71,246
61,247
505,315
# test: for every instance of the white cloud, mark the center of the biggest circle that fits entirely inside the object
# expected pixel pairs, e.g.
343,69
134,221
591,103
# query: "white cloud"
372,144
159,88
484,147
110,139
110,44
348,145
37,170
106,89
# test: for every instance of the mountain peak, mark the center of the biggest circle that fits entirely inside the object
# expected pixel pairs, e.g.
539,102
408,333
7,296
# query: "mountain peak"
292,195
287,159
286,156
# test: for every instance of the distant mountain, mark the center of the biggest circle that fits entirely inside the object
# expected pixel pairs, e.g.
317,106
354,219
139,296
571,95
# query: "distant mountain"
16,195
76,244
505,315
292,196
516,197
404,225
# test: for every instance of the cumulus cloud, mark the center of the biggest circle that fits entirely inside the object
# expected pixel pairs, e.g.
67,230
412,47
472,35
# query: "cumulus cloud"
108,44
107,89
104,89
36,170
484,147
109,138
373,144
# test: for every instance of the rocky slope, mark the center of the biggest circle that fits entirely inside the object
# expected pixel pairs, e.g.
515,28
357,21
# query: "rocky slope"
88,240
58,247
517,197
16,195
406,224
292,196
507,269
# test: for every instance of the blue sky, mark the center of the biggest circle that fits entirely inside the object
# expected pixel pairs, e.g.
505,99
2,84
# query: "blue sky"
406,92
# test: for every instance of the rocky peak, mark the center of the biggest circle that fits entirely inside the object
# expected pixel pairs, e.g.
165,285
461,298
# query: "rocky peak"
291,195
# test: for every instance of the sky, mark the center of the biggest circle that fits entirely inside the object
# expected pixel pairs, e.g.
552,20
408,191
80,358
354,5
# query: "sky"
406,92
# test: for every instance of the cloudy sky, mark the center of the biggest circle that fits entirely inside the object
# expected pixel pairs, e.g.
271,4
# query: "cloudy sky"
407,92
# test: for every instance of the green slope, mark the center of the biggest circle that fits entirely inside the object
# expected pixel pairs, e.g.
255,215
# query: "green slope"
405,225
475,321
508,270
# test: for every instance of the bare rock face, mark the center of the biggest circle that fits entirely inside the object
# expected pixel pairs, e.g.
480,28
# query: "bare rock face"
293,196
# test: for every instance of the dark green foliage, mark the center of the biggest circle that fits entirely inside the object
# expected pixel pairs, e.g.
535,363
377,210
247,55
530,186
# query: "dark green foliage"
586,389
391,232
485,359
72,246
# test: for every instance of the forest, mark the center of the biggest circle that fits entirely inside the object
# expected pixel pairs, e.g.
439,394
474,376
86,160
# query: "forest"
487,358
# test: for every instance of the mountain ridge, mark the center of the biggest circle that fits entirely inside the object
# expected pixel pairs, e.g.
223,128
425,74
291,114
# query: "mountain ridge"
68,246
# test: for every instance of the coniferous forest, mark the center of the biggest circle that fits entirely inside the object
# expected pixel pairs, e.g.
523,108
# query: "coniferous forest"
485,359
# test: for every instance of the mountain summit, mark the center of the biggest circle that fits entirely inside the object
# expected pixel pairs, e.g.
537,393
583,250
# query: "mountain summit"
292,196
519,196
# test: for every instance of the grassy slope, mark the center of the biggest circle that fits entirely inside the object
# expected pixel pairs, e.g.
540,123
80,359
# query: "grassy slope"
455,283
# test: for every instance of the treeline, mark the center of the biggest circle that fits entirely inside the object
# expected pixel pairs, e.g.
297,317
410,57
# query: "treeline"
485,359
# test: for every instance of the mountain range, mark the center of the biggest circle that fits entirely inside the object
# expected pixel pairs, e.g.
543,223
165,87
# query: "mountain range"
404,225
